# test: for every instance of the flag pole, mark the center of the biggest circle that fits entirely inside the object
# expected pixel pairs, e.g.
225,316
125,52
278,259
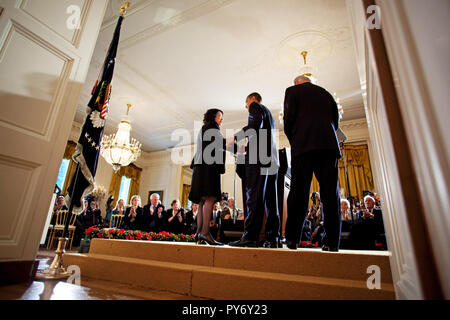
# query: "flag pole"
56,271
69,214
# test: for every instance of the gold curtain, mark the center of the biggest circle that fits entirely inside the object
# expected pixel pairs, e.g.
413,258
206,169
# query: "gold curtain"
132,172
68,154
185,195
358,168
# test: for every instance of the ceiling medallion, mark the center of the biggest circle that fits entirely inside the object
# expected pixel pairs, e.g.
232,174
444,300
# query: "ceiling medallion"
318,45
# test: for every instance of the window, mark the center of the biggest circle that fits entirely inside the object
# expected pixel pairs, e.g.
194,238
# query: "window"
62,173
124,190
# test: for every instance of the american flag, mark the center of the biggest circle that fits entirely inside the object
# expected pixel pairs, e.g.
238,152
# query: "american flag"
88,146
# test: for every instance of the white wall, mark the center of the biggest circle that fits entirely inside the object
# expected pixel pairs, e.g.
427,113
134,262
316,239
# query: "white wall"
159,173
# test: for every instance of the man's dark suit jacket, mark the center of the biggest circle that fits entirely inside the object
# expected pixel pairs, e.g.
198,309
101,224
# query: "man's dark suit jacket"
310,119
259,117
148,220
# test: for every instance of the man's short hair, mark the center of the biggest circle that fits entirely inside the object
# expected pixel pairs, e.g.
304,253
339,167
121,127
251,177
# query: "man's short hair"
368,196
154,195
302,79
256,95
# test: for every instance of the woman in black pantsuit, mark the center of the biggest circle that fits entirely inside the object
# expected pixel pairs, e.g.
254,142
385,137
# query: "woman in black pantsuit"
208,164
132,219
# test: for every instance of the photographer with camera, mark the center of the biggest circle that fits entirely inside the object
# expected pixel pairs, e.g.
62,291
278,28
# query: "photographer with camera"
312,229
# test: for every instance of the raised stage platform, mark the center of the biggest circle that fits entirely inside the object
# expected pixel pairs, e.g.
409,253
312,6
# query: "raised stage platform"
234,273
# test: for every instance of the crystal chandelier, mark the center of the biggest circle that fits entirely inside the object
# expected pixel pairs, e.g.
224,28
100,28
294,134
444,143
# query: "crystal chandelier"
339,105
117,149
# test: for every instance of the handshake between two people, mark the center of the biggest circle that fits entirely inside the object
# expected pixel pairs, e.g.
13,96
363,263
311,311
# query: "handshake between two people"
230,146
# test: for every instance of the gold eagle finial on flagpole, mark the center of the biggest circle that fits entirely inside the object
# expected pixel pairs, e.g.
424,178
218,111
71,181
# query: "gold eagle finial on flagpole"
124,7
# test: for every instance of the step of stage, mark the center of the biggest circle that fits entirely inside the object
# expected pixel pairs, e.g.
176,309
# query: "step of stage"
235,273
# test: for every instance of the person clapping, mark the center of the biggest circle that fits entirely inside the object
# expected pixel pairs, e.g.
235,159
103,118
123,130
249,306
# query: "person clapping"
133,214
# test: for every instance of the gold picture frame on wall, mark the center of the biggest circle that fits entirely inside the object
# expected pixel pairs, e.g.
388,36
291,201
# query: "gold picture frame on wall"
161,195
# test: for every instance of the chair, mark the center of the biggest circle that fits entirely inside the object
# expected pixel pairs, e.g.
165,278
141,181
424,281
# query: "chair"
60,219
116,221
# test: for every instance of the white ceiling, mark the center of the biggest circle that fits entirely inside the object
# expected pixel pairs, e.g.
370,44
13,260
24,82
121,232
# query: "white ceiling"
177,58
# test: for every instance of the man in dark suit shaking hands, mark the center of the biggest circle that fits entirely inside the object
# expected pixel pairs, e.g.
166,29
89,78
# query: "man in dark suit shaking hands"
261,170
310,123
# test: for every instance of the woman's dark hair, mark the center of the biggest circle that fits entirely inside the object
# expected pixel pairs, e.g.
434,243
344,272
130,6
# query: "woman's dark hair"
210,115
159,206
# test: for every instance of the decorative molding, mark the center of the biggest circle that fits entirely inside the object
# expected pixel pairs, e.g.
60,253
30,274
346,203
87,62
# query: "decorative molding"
79,32
75,40
24,212
134,8
353,124
60,89
185,16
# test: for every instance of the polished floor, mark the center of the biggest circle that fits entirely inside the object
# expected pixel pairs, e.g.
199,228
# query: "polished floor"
88,290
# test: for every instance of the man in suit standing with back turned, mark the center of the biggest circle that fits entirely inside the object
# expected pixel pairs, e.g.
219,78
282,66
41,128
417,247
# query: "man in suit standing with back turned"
310,123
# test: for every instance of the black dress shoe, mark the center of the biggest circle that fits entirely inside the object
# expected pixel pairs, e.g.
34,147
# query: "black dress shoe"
331,249
291,245
242,242
198,240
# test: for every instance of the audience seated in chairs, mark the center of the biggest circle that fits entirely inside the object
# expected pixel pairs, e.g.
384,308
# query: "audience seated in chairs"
109,211
119,208
346,225
160,219
117,215
312,228
227,211
308,227
368,229
57,227
96,213
214,224
60,204
191,220
150,213
91,214
175,218
133,214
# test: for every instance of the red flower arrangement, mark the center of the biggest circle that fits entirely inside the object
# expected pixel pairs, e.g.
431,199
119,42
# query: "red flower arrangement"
95,232
308,244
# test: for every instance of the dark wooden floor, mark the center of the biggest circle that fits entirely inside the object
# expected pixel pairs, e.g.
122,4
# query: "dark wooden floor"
88,290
